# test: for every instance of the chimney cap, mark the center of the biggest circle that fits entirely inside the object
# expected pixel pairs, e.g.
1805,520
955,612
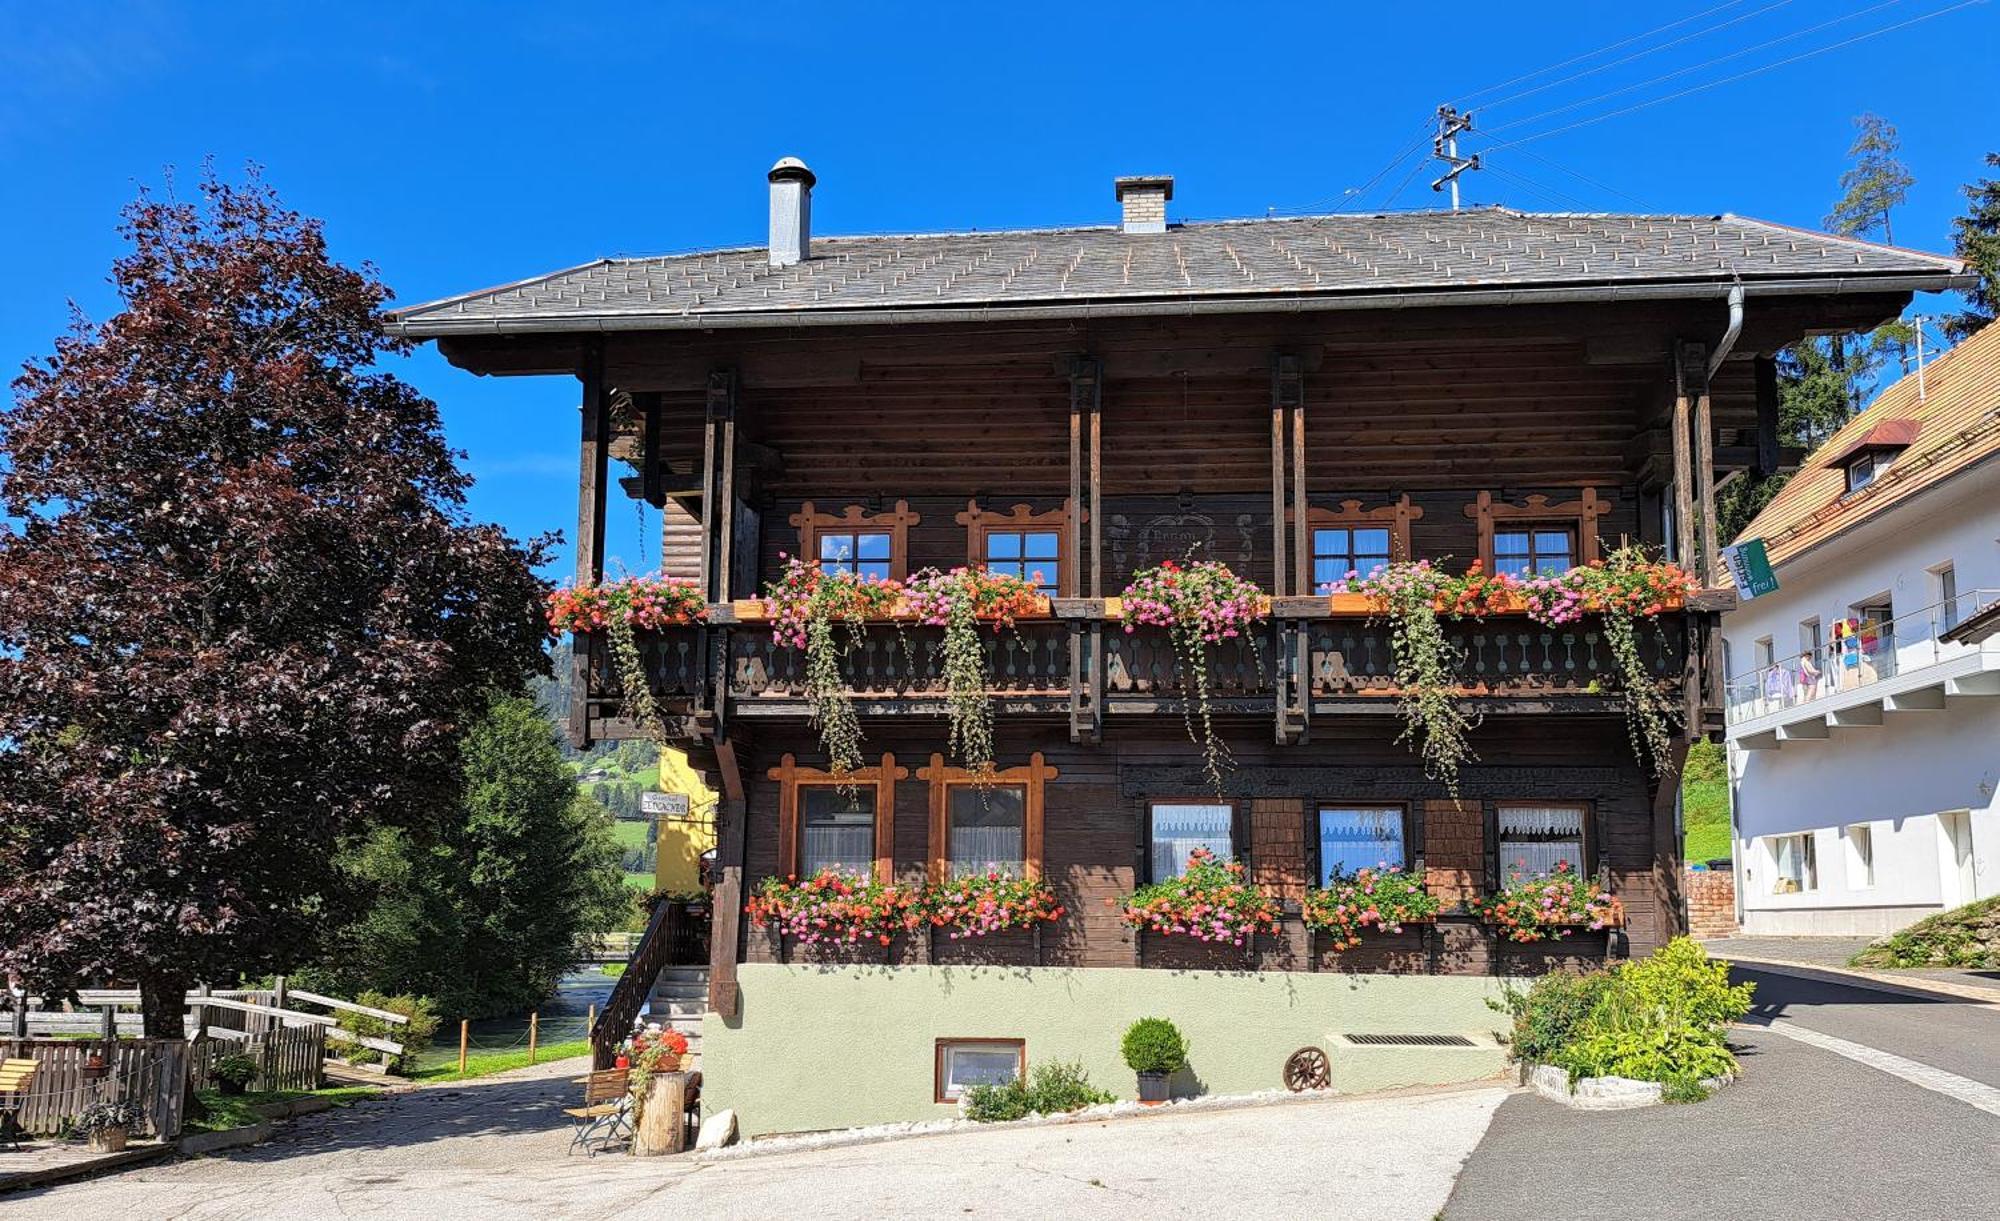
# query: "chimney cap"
791,169
1144,182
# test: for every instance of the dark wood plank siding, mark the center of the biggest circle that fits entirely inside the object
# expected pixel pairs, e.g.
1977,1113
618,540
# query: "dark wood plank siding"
1095,813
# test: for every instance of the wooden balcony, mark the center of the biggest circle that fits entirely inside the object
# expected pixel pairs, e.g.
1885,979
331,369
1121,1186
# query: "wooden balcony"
1088,667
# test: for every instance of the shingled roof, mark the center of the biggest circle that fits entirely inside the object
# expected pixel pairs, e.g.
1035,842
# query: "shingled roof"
1952,427
1478,256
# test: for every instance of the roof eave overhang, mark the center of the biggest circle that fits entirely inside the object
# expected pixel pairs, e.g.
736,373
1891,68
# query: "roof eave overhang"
1102,308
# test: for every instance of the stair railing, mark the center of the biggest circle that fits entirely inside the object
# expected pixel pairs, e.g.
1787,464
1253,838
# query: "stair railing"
628,995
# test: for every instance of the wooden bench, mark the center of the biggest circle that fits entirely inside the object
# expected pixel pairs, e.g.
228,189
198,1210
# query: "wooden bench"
607,1102
15,1075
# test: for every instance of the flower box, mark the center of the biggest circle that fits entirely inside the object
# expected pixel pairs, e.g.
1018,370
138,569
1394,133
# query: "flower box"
1365,605
752,610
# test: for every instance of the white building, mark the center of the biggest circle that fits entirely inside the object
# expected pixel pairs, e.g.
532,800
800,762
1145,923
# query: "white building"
1864,699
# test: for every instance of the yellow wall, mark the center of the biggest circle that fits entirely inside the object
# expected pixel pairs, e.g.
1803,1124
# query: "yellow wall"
683,840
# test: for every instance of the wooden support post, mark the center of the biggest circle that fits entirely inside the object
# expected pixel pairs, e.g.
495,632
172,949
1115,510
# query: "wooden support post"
722,408
534,1034
590,1021
201,1015
1086,401
1688,358
1280,568
593,458
464,1041
1767,417
1704,479
726,918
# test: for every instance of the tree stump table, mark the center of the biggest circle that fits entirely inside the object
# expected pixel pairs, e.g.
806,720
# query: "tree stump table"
662,1124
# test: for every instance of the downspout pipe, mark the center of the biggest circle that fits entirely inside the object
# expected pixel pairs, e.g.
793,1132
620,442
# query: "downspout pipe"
1729,333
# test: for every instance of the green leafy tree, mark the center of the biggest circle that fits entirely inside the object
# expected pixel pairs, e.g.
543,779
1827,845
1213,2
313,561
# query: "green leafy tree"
486,909
1976,238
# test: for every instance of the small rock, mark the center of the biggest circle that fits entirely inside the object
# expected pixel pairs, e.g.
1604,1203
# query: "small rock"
717,1130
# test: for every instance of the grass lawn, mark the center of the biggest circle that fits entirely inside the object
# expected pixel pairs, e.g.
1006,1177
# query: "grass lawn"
641,882
239,1111
612,970
1705,804
481,1063
630,833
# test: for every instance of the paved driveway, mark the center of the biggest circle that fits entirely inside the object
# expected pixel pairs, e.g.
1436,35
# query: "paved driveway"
496,1151
1807,1133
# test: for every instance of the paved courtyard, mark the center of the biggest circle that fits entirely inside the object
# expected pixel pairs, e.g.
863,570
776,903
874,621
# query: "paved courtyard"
495,1151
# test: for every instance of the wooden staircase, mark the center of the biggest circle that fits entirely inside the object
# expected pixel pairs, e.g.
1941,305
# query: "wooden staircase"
660,983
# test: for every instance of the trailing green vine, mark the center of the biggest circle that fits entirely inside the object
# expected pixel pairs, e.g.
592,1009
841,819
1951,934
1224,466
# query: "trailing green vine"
1200,603
805,605
620,609
958,601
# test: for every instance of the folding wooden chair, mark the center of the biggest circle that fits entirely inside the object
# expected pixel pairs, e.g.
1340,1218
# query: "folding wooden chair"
15,1075
605,1113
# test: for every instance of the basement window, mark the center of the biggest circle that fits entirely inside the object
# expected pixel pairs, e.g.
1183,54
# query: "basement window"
964,1063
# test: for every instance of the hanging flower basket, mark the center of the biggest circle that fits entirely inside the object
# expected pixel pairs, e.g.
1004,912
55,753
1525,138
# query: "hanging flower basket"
645,603
1200,603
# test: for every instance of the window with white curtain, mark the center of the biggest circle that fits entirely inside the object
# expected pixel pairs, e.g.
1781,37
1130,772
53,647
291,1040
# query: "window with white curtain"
988,828
1792,865
1860,856
1359,837
1181,827
1534,839
836,830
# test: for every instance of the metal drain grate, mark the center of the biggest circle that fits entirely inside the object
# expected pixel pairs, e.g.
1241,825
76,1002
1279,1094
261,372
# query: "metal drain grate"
1410,1040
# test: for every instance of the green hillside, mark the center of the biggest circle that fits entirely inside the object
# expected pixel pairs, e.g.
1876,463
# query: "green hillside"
1705,803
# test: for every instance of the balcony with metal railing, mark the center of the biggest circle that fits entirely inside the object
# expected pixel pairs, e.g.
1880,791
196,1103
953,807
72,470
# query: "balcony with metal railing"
1913,662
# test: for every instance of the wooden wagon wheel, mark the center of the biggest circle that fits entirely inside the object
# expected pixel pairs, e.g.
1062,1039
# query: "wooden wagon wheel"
1308,1070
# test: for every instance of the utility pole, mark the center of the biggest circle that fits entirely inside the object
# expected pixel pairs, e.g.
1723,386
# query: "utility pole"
1444,147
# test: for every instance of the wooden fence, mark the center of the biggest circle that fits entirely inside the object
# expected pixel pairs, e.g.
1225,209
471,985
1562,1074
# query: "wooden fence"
150,1072
288,1057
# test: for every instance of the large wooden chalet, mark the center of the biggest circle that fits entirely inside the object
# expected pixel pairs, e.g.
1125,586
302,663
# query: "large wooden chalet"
1297,397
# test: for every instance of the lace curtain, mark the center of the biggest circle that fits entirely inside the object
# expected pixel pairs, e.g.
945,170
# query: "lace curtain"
1180,829
1535,839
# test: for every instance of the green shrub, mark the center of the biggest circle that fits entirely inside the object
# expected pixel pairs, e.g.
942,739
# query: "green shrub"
235,1068
1966,937
1549,1014
1663,1018
1056,1088
1154,1045
415,1035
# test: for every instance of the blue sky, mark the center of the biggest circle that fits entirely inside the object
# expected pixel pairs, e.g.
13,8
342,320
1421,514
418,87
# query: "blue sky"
460,145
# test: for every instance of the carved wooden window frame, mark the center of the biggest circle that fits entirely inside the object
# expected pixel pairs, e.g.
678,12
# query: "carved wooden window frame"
1579,515
1240,829
1586,830
856,518
980,522
1315,864
791,778
1396,515
1032,777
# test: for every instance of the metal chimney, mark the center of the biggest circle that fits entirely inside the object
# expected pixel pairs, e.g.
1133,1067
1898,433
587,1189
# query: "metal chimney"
791,212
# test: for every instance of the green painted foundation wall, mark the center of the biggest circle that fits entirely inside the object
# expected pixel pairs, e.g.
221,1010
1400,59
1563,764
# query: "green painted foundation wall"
813,1048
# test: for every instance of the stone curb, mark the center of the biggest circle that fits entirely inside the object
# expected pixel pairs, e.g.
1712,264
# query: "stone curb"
1602,1093
812,1142
228,1138
1931,989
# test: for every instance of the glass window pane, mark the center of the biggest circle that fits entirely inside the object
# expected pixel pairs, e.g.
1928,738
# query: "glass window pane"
1510,542
836,546
1003,545
1326,572
968,1064
836,830
1179,829
1535,839
1041,545
875,569
1330,542
1551,542
871,546
1371,542
1359,837
988,828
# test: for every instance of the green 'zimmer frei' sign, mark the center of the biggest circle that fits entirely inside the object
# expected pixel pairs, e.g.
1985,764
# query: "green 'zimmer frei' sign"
1750,568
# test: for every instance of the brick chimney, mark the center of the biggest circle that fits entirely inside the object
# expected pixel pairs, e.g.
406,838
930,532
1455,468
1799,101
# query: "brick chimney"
1145,198
791,212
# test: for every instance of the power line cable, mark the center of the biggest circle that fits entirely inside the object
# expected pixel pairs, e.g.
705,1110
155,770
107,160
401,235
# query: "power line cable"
1471,99
1636,55
1680,72
1728,80
1585,178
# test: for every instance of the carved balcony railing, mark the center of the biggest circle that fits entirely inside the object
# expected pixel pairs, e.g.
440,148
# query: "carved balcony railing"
1509,655
1325,663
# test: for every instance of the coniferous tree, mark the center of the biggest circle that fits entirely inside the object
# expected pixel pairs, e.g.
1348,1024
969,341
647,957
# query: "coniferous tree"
1976,238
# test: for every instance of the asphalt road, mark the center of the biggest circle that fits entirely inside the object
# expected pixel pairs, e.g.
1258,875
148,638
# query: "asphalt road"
1807,1133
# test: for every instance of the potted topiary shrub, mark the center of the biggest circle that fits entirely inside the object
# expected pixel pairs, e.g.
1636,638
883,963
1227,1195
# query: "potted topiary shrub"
107,1124
1155,1050
234,1072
